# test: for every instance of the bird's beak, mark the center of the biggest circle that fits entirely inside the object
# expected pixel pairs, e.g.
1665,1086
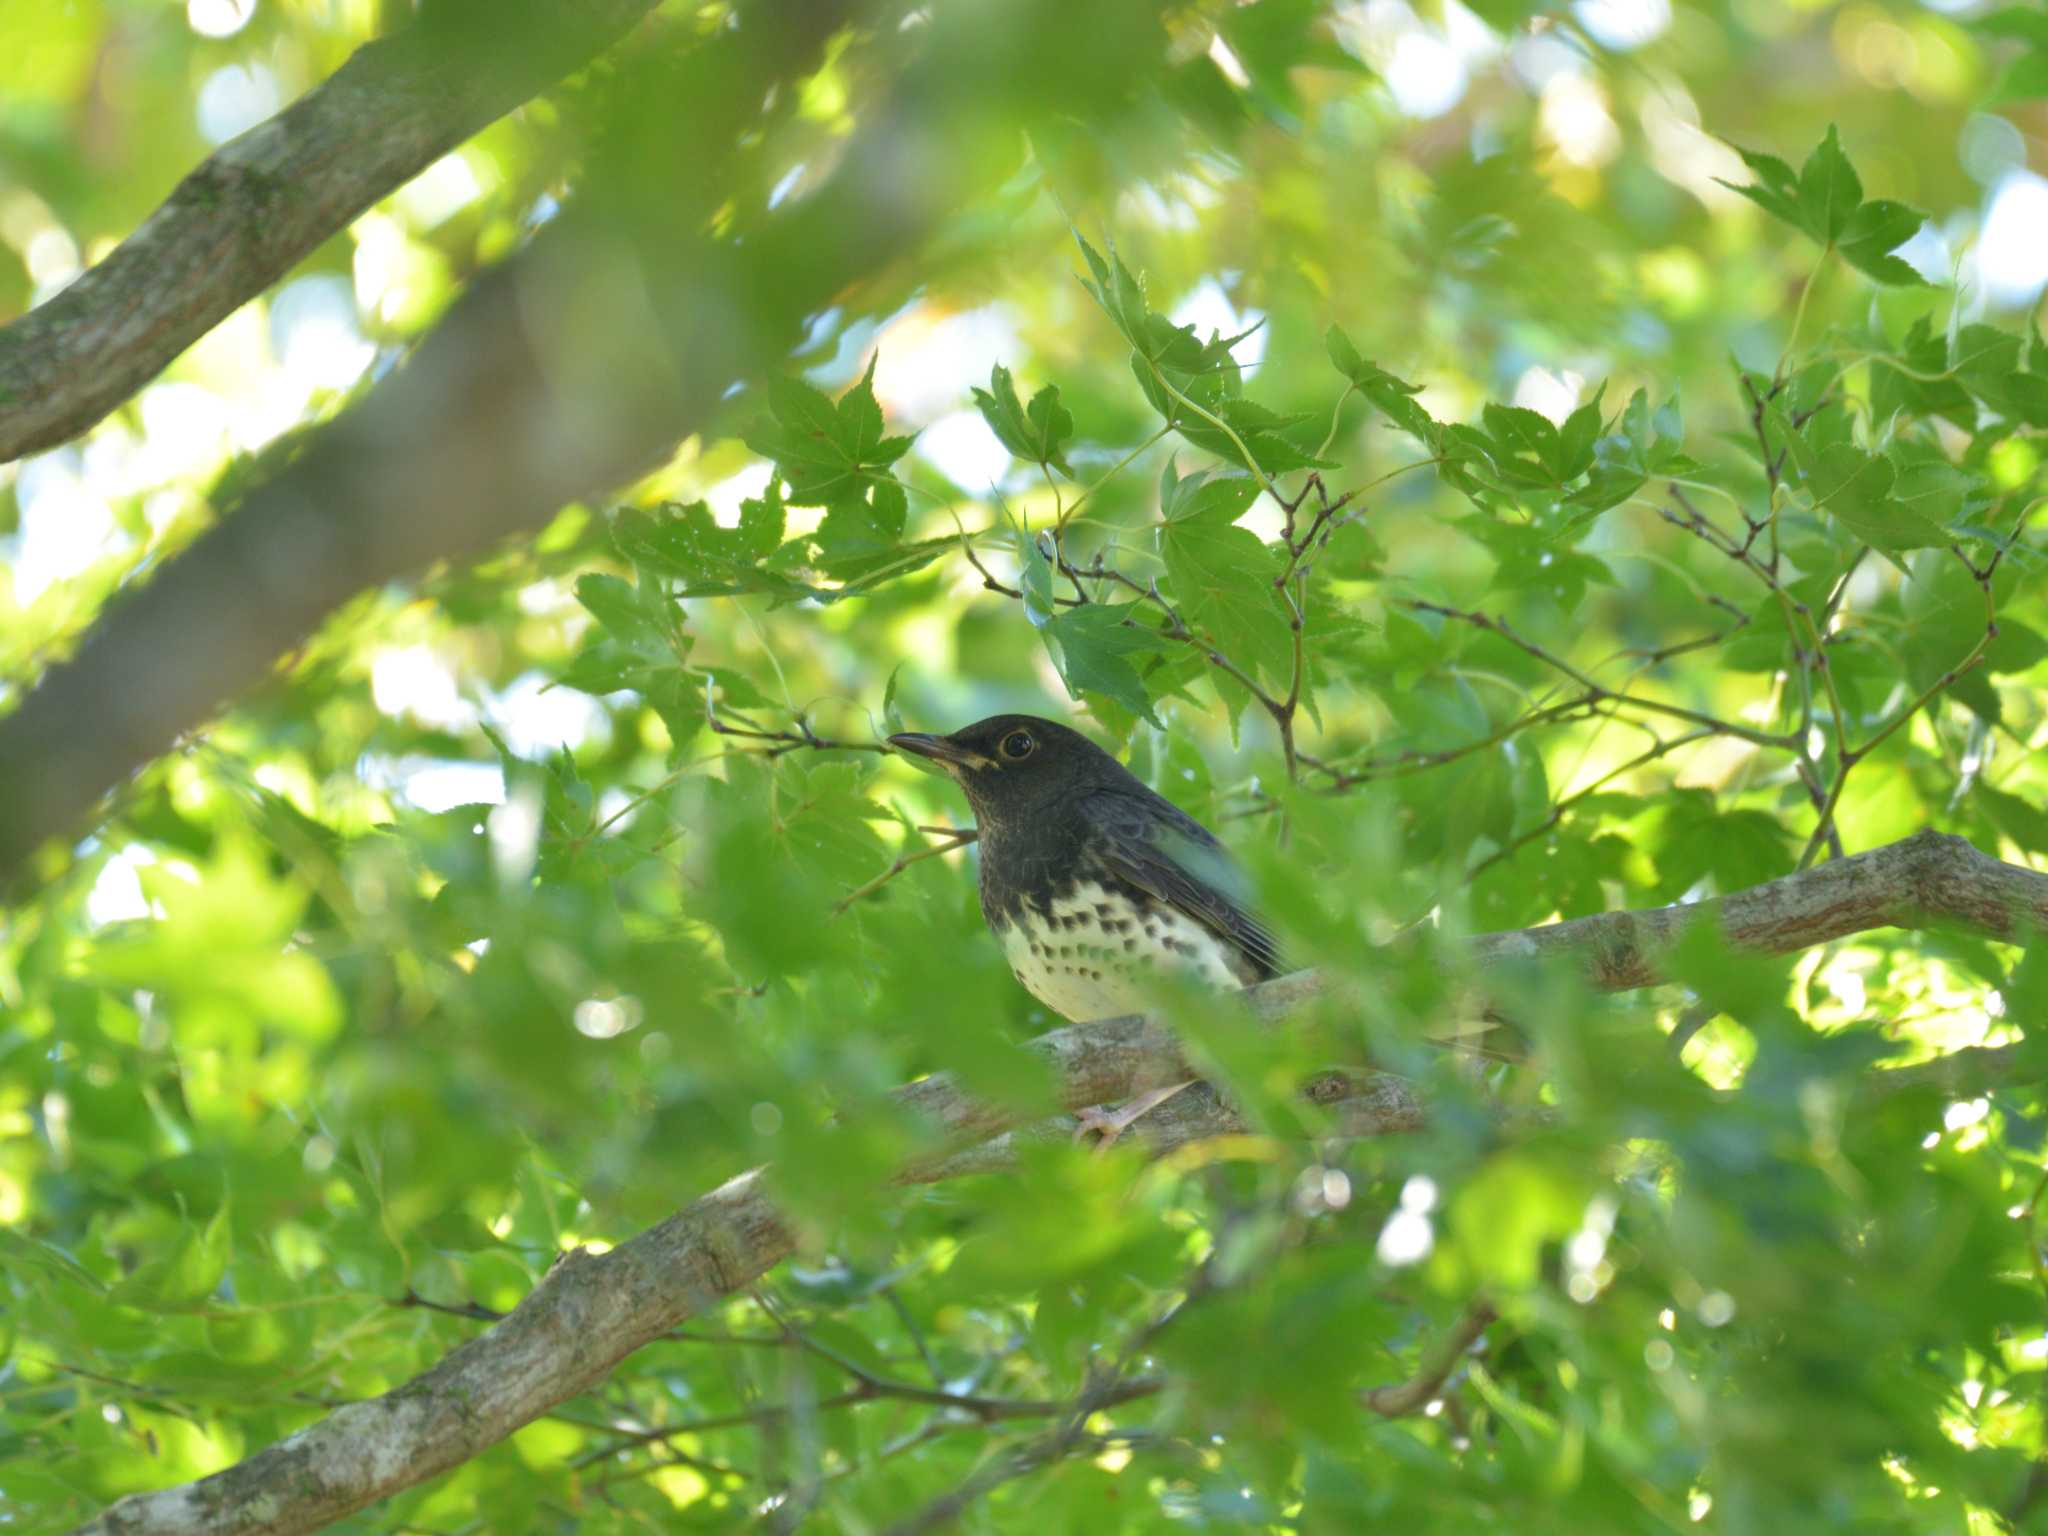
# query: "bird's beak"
943,750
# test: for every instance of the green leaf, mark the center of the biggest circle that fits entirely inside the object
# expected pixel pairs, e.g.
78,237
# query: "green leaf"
687,543
1575,439
1829,190
1510,1209
631,615
1037,433
1118,292
1196,386
1826,202
1218,498
1222,579
1094,644
26,1252
1394,398
1526,447
829,455
1873,232
1914,378
1698,839
1257,429
185,1277
1987,363
1855,488
1034,574
1776,189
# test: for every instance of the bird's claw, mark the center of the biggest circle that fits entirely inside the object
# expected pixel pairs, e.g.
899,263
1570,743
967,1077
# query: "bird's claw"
1096,1121
1109,1124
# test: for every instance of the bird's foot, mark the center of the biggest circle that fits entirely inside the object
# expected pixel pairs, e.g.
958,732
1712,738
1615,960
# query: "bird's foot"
1109,1124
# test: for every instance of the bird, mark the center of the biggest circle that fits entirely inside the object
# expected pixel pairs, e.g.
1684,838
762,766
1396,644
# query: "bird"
1094,884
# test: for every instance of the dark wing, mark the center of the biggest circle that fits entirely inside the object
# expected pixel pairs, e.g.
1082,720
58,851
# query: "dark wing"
1166,853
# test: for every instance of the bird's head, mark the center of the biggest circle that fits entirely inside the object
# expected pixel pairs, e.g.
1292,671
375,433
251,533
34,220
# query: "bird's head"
1012,765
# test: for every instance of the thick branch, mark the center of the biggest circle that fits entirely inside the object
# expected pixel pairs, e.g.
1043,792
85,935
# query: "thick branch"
1927,880
506,411
591,1311
265,200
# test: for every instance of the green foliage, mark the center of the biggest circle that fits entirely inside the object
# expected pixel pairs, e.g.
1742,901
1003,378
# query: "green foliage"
1038,432
546,893
1826,201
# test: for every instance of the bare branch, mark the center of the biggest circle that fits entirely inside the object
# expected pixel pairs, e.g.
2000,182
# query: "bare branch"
267,199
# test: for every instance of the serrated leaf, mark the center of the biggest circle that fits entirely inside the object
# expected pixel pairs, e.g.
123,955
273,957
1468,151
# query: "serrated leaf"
828,454
1034,575
1855,488
1393,397
186,1276
1525,443
1987,362
1036,433
1094,644
627,613
1650,441
1825,201
1575,439
1222,578
1118,292
1830,191
686,542
1872,233
1214,498
1258,431
1776,189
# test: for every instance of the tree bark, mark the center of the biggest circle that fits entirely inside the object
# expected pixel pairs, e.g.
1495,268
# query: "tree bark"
591,1311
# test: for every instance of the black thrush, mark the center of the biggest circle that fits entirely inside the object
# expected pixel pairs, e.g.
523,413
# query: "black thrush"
1091,881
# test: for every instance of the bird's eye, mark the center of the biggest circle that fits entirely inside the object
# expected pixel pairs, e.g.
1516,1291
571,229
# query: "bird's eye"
1018,744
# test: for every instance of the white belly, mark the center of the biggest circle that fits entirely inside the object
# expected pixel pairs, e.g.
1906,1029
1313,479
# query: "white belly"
1091,956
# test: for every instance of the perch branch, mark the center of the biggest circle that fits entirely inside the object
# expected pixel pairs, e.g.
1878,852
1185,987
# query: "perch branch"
592,1310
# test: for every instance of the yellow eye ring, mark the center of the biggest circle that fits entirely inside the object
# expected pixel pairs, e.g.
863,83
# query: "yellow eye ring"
1018,745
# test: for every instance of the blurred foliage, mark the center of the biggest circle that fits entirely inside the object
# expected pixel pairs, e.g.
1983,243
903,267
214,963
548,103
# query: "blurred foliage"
1443,463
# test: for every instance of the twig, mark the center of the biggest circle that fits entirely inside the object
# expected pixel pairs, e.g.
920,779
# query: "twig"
1597,692
903,1315
474,1311
1403,1398
785,741
953,837
1848,757
1661,748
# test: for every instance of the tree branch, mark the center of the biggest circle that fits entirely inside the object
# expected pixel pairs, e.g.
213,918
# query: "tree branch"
593,1310
265,200
504,413
1438,1361
1926,879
